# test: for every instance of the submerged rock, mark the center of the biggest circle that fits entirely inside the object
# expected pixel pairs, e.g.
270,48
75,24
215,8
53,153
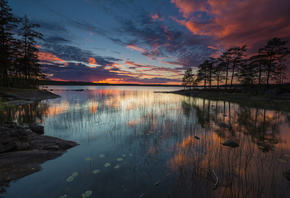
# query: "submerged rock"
230,143
224,125
196,137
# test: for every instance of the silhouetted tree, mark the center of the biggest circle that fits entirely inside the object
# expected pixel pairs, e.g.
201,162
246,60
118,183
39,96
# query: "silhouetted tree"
218,72
237,55
202,74
7,42
280,73
226,59
257,62
188,79
30,67
274,54
246,73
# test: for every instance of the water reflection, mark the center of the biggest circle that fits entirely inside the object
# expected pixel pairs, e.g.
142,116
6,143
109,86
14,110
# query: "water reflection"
254,169
155,136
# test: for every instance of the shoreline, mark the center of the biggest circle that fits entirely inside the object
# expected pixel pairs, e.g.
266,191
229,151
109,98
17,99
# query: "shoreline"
23,150
17,96
272,99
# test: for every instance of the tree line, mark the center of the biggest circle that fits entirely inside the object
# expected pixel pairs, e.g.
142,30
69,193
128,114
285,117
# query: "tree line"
233,67
19,64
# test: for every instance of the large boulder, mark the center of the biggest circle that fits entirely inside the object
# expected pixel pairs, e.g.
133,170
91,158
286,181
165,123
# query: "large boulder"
37,129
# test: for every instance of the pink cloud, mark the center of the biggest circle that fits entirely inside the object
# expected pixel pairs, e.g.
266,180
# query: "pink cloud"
231,22
154,16
188,7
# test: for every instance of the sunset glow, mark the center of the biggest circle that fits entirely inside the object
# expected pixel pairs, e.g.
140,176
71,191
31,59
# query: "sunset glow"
154,46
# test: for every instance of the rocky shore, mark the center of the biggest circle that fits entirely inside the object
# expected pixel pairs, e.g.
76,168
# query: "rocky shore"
14,96
24,149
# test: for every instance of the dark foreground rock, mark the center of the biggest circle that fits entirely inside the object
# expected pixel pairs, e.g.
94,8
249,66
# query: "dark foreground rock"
16,97
230,143
22,151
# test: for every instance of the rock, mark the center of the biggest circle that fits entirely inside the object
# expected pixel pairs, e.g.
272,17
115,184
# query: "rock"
287,175
50,147
22,152
196,137
8,140
230,143
23,146
37,129
225,125
7,147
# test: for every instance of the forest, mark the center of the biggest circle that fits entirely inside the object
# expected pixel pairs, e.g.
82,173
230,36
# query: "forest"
19,64
233,67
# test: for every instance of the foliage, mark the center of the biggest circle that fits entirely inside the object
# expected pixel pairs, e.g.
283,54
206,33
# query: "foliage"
268,64
7,42
274,53
188,79
18,53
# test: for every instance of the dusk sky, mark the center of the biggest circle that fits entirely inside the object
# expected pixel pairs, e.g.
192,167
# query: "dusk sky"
146,41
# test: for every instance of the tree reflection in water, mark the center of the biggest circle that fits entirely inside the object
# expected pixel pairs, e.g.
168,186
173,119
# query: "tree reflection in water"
254,169
26,114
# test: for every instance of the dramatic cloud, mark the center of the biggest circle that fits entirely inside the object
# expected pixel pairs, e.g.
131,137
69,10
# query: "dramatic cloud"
250,22
123,41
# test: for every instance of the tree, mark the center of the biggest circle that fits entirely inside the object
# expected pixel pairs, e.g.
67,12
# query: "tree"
188,79
274,54
30,67
205,72
257,63
237,55
218,72
225,58
247,73
280,73
7,50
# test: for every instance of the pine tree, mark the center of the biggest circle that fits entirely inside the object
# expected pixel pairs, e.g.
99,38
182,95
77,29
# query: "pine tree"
7,43
274,54
247,73
225,58
237,55
188,79
205,72
30,67
218,72
257,63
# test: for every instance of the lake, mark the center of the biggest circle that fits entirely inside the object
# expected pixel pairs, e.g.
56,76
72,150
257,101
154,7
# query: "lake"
137,143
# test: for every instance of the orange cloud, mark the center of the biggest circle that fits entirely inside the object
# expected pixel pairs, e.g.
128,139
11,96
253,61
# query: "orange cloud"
45,56
92,61
49,57
133,47
130,63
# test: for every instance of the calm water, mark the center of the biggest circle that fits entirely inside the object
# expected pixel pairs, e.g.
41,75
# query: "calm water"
131,139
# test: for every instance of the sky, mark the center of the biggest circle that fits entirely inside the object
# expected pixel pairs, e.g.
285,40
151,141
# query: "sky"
146,41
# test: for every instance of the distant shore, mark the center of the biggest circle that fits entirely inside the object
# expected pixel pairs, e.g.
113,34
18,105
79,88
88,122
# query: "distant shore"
276,99
17,96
